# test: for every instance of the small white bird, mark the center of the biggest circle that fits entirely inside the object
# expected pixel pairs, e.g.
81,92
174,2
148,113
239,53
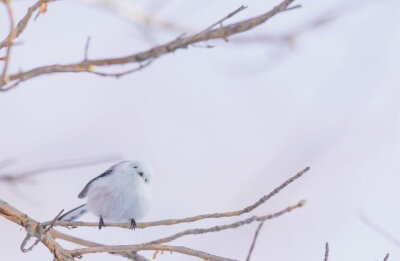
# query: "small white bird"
121,194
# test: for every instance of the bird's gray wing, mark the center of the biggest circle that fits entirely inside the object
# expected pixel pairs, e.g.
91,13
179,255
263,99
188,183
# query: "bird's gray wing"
86,188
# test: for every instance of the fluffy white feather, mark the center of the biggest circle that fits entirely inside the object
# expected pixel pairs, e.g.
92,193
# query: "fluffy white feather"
121,194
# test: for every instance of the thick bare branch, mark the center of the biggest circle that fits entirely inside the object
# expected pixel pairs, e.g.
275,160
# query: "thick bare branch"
47,235
169,222
34,229
182,42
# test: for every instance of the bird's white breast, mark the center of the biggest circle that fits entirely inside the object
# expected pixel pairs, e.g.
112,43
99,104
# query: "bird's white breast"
119,197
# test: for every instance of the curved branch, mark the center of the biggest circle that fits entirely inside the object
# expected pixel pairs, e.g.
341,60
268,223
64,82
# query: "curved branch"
10,39
181,42
23,23
34,229
177,249
234,225
79,241
169,222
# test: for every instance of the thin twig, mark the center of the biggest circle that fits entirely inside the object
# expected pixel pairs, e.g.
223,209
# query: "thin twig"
386,257
4,76
79,241
177,249
228,226
169,222
219,22
76,163
50,226
220,33
87,48
381,231
254,241
29,235
291,8
23,22
120,74
326,251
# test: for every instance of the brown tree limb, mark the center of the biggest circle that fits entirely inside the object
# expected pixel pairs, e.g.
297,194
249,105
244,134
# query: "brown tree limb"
169,222
4,76
34,229
182,42
23,23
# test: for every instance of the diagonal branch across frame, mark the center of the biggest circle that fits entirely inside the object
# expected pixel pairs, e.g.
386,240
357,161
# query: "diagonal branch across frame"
181,42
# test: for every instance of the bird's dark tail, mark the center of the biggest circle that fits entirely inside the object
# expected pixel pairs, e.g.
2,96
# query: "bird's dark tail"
74,213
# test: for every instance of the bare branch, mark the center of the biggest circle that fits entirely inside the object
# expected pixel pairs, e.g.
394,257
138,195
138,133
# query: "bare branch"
381,231
169,222
386,257
76,163
228,226
34,229
179,43
289,37
28,236
254,241
326,251
23,22
219,22
130,255
87,48
44,232
177,249
120,74
4,76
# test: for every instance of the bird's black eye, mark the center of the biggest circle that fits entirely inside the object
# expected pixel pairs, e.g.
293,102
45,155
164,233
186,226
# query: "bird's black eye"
145,180
135,167
140,173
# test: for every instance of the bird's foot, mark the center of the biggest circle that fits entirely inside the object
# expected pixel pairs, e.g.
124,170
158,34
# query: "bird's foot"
133,224
101,223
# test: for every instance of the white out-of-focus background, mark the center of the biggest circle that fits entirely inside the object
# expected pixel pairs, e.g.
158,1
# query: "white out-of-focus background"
221,126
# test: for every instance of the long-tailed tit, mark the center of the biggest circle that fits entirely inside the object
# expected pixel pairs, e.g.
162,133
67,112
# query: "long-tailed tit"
121,194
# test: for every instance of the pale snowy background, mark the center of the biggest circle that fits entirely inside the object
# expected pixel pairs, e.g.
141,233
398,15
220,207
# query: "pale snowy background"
220,126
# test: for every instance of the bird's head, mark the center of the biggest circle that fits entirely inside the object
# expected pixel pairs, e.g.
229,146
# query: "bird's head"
135,167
